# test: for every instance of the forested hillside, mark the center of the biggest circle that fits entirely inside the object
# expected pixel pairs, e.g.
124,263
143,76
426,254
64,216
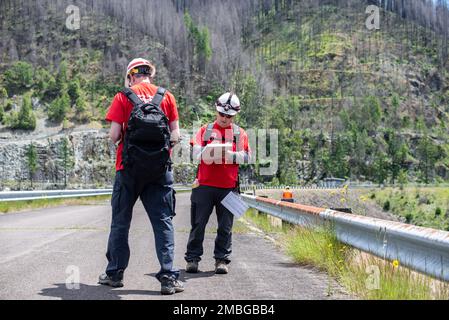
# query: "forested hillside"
349,102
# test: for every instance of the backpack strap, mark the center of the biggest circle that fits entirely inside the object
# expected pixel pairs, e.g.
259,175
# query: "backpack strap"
158,97
132,96
236,131
207,135
136,101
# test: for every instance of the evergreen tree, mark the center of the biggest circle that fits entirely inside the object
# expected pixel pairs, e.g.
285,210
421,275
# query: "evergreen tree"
428,154
3,94
31,157
67,158
200,38
25,119
58,108
81,108
74,90
18,77
381,164
402,178
45,84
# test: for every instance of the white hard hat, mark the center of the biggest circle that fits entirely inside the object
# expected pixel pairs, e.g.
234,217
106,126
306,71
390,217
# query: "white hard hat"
133,68
228,104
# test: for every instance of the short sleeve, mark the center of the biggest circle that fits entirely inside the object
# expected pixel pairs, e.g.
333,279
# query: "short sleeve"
116,111
198,139
172,110
244,144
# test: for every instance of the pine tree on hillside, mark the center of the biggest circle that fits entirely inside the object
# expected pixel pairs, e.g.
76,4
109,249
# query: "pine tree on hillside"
67,160
31,157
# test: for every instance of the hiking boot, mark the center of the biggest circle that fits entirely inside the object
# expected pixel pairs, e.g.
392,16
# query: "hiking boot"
115,282
221,267
171,286
192,266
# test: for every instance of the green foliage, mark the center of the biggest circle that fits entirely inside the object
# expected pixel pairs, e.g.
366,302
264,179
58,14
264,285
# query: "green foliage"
381,165
18,77
200,37
337,164
3,93
253,106
62,77
31,157
403,178
74,90
395,103
418,206
25,118
428,153
67,159
45,85
387,205
58,108
330,46
81,108
203,43
363,116
397,151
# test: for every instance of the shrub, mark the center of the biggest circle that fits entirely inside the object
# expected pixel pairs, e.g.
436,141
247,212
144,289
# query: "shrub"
408,218
18,77
58,108
387,205
26,119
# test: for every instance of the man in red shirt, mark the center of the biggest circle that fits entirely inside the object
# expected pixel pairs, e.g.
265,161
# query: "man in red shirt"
157,197
220,147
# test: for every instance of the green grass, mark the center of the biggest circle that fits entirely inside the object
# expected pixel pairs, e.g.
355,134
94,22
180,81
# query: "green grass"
362,275
428,207
318,247
16,206
263,223
372,278
239,227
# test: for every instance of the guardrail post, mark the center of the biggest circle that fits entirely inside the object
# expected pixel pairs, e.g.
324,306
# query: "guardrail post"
274,221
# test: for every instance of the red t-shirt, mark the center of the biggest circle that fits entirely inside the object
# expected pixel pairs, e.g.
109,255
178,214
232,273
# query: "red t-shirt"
121,107
220,175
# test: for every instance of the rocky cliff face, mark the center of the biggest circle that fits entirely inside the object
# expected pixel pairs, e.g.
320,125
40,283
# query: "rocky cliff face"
87,162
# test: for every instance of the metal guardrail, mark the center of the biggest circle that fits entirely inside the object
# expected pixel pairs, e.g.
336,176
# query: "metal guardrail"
57,194
351,185
422,249
51,194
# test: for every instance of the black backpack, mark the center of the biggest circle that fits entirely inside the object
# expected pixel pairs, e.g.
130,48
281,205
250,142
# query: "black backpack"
146,154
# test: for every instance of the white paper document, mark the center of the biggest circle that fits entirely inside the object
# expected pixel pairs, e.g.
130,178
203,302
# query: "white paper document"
215,152
234,203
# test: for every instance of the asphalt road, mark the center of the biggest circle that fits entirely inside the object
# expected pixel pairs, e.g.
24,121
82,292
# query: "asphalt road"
42,250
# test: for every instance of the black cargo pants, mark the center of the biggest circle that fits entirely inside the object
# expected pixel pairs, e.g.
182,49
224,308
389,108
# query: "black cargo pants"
203,201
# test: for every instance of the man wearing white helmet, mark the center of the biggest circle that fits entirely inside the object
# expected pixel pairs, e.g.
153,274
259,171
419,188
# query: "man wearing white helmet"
220,146
158,195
